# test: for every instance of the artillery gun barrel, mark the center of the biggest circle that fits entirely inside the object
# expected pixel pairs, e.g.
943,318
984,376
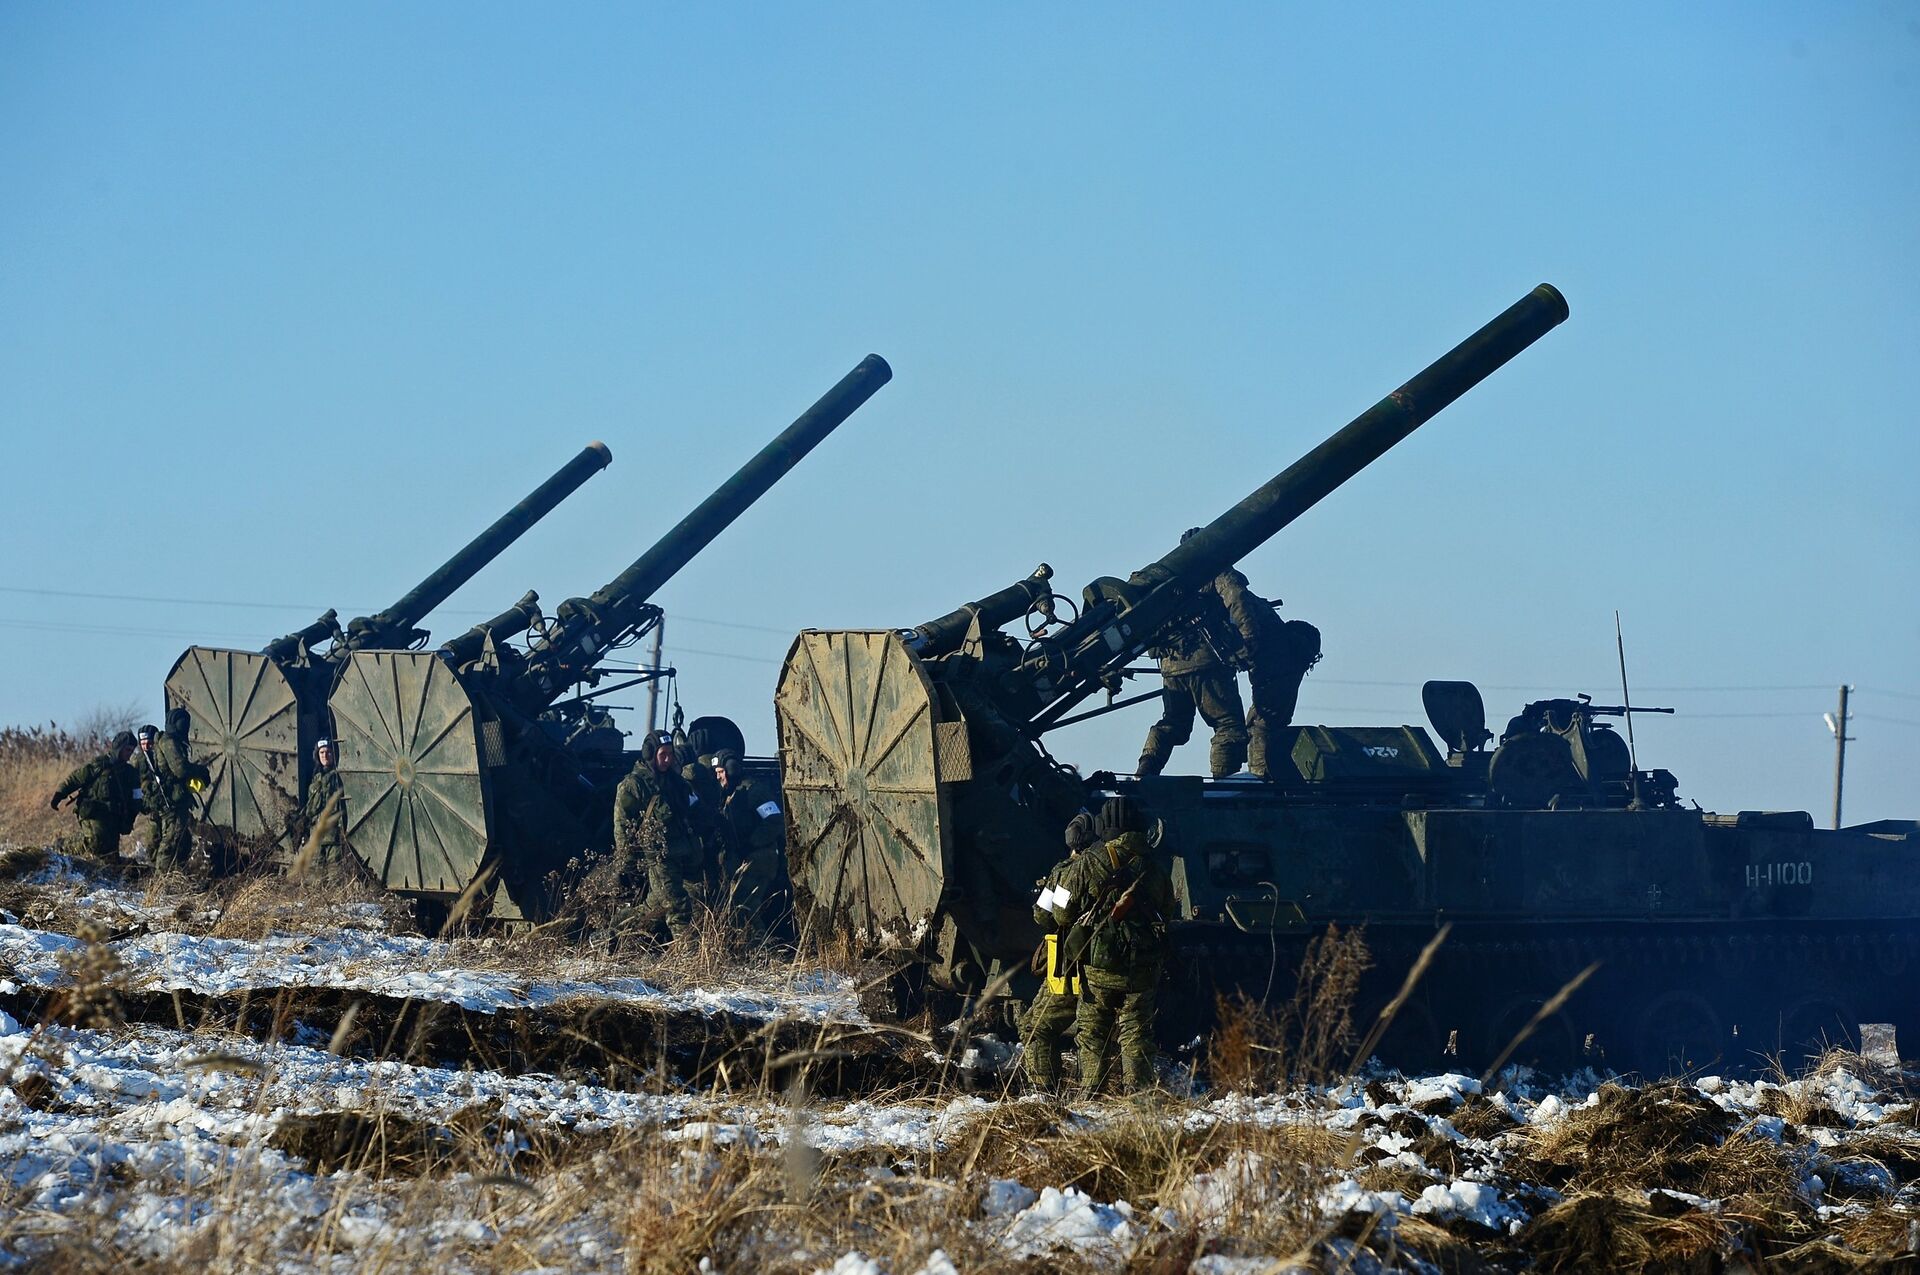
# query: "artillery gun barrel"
732,498
1364,440
585,627
398,620
1156,594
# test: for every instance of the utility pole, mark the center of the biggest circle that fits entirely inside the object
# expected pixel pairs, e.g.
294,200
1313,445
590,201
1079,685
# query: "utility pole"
653,687
1838,725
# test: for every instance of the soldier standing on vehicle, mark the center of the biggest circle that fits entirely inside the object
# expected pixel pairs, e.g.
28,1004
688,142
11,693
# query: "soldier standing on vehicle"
650,822
1195,678
104,798
1050,1018
1117,901
323,790
1275,654
757,862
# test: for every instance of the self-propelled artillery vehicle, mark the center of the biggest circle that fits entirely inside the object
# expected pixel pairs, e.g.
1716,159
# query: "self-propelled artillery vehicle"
488,764
923,806
256,715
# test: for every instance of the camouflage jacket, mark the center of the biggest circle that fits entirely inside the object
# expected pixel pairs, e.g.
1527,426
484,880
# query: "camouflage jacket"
102,791
753,813
165,784
646,797
321,789
1094,883
1047,886
1226,623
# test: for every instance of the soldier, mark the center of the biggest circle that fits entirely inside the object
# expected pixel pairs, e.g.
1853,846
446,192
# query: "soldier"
706,815
169,779
1194,677
104,791
650,821
757,863
1276,655
1114,901
323,789
1057,1003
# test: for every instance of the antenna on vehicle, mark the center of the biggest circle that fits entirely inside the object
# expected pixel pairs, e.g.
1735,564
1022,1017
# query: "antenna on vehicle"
1626,702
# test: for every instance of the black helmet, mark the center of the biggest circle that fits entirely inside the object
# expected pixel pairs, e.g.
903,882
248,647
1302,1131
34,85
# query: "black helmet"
1080,832
727,760
178,721
1117,815
148,733
123,740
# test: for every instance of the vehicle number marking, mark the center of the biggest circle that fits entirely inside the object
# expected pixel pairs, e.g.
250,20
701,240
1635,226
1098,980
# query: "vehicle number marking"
1759,874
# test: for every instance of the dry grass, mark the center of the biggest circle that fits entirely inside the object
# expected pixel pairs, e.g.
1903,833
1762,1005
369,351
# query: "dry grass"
1608,1159
33,761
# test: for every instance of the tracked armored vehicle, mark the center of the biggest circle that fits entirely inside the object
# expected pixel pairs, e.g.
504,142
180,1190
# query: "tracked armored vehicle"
488,762
256,715
923,805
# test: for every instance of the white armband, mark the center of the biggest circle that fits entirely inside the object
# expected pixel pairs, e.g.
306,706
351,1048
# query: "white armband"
768,809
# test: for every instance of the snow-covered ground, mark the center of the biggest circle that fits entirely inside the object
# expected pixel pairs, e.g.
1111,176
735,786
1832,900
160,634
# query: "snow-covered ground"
165,1144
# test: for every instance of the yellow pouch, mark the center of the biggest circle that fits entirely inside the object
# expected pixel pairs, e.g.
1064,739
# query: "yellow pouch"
1057,983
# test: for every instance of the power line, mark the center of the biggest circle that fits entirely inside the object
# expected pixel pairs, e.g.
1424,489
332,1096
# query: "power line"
1882,717
309,608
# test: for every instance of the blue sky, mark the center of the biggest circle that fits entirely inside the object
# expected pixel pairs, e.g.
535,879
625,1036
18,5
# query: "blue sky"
293,300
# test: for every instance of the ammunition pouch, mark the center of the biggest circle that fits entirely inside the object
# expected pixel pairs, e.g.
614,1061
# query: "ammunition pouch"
1062,978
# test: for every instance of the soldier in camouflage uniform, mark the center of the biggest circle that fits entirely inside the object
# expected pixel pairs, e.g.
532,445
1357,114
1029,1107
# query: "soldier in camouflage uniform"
325,787
706,814
757,861
104,798
1276,655
1118,899
1051,1016
167,778
1195,677
650,821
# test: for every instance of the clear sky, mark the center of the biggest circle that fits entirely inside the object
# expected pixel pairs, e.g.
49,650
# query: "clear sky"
295,299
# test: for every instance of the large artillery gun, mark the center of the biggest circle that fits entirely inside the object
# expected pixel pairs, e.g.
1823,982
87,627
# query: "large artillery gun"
923,805
488,764
256,715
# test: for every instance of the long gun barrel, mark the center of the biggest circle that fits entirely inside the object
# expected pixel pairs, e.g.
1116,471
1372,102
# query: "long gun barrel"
1129,616
584,628
394,628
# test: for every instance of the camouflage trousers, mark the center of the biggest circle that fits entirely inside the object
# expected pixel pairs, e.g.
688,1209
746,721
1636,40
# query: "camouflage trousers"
1116,1009
1214,692
99,839
172,836
668,899
1044,1030
1274,697
759,885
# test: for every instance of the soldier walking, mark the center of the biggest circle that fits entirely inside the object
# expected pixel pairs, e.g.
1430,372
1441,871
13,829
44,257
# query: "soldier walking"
1117,901
323,790
650,822
1195,678
1051,1016
104,803
757,862
169,778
